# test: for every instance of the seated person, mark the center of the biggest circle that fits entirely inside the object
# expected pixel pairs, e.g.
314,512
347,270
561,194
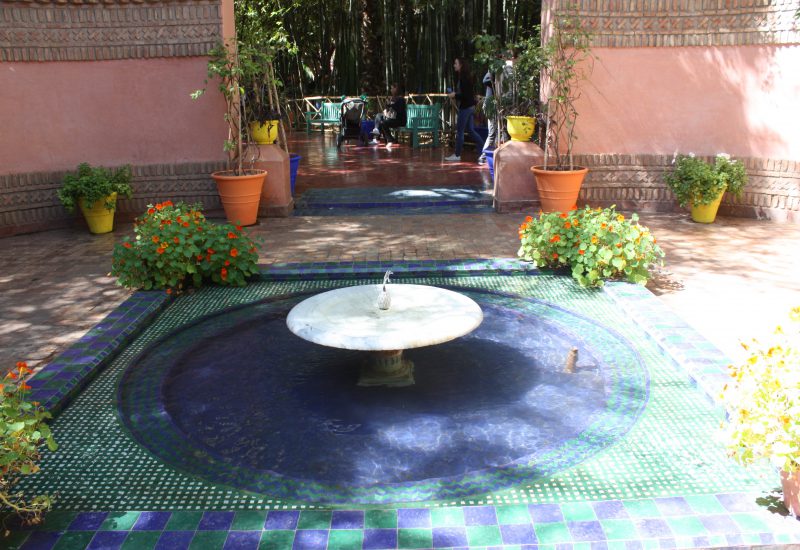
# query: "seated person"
394,116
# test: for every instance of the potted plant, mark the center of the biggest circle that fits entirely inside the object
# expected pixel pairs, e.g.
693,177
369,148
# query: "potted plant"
239,187
515,84
95,190
261,94
595,244
566,58
762,401
23,430
176,247
702,184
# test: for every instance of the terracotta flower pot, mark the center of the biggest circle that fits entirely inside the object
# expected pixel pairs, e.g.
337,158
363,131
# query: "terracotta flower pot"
791,491
559,189
707,213
98,217
240,195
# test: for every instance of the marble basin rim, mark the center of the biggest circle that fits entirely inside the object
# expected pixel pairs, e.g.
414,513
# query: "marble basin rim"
349,318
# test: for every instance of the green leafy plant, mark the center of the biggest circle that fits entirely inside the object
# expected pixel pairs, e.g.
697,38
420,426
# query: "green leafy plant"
763,400
23,431
92,184
515,75
567,61
175,246
596,244
696,181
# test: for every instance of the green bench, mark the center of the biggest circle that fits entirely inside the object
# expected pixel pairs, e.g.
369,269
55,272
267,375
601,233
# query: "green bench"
422,118
329,113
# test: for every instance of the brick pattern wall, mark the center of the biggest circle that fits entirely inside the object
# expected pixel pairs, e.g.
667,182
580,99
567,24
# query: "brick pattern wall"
92,30
671,23
28,202
636,182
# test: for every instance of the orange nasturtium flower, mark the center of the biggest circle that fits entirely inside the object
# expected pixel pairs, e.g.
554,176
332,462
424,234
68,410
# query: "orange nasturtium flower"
234,252
25,386
564,215
567,225
594,239
177,240
528,219
555,256
231,235
620,218
581,252
555,238
11,374
126,244
155,238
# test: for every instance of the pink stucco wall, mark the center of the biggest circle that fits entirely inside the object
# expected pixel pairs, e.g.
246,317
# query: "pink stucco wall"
55,115
742,100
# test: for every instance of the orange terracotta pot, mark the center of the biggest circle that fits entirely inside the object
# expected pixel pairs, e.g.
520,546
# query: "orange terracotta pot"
240,195
559,189
791,491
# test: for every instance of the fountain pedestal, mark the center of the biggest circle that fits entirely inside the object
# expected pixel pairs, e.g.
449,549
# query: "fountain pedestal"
349,318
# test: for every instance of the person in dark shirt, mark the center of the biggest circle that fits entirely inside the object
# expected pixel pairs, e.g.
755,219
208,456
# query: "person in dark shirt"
464,94
393,116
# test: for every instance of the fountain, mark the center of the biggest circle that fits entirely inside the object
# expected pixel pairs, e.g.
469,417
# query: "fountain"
384,323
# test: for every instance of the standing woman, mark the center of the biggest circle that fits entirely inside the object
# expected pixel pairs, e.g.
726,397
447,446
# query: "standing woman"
464,94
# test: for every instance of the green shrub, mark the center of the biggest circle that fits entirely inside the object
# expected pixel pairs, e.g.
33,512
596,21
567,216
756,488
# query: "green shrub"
175,246
94,184
597,244
762,400
22,432
694,181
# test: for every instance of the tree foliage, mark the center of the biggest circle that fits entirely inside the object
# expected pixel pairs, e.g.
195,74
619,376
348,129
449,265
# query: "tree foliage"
354,46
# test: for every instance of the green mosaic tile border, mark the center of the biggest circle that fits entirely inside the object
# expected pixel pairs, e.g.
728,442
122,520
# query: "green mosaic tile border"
724,520
668,452
635,507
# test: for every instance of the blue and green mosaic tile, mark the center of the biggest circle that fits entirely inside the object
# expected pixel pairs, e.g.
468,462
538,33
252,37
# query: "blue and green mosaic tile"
621,454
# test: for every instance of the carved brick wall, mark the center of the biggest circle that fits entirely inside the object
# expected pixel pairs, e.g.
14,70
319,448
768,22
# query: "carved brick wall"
636,182
28,202
670,23
93,30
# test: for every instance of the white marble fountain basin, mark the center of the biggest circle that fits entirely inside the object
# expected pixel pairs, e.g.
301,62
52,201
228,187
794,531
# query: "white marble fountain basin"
419,315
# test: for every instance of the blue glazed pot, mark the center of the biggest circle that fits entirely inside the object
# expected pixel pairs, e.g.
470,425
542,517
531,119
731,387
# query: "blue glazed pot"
294,163
490,162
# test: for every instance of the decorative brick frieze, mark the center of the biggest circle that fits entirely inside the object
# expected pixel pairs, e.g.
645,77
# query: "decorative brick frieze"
636,182
671,23
93,31
30,200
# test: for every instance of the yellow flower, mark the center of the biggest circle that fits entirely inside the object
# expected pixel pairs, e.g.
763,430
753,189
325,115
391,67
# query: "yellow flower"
794,314
620,218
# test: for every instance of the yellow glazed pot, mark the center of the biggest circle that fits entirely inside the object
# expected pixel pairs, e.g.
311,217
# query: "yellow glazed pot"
520,128
265,134
99,219
707,213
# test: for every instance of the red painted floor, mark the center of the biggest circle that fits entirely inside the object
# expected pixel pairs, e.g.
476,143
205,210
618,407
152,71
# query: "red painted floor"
354,165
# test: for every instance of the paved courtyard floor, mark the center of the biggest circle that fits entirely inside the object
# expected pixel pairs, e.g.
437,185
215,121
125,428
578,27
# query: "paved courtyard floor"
731,281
